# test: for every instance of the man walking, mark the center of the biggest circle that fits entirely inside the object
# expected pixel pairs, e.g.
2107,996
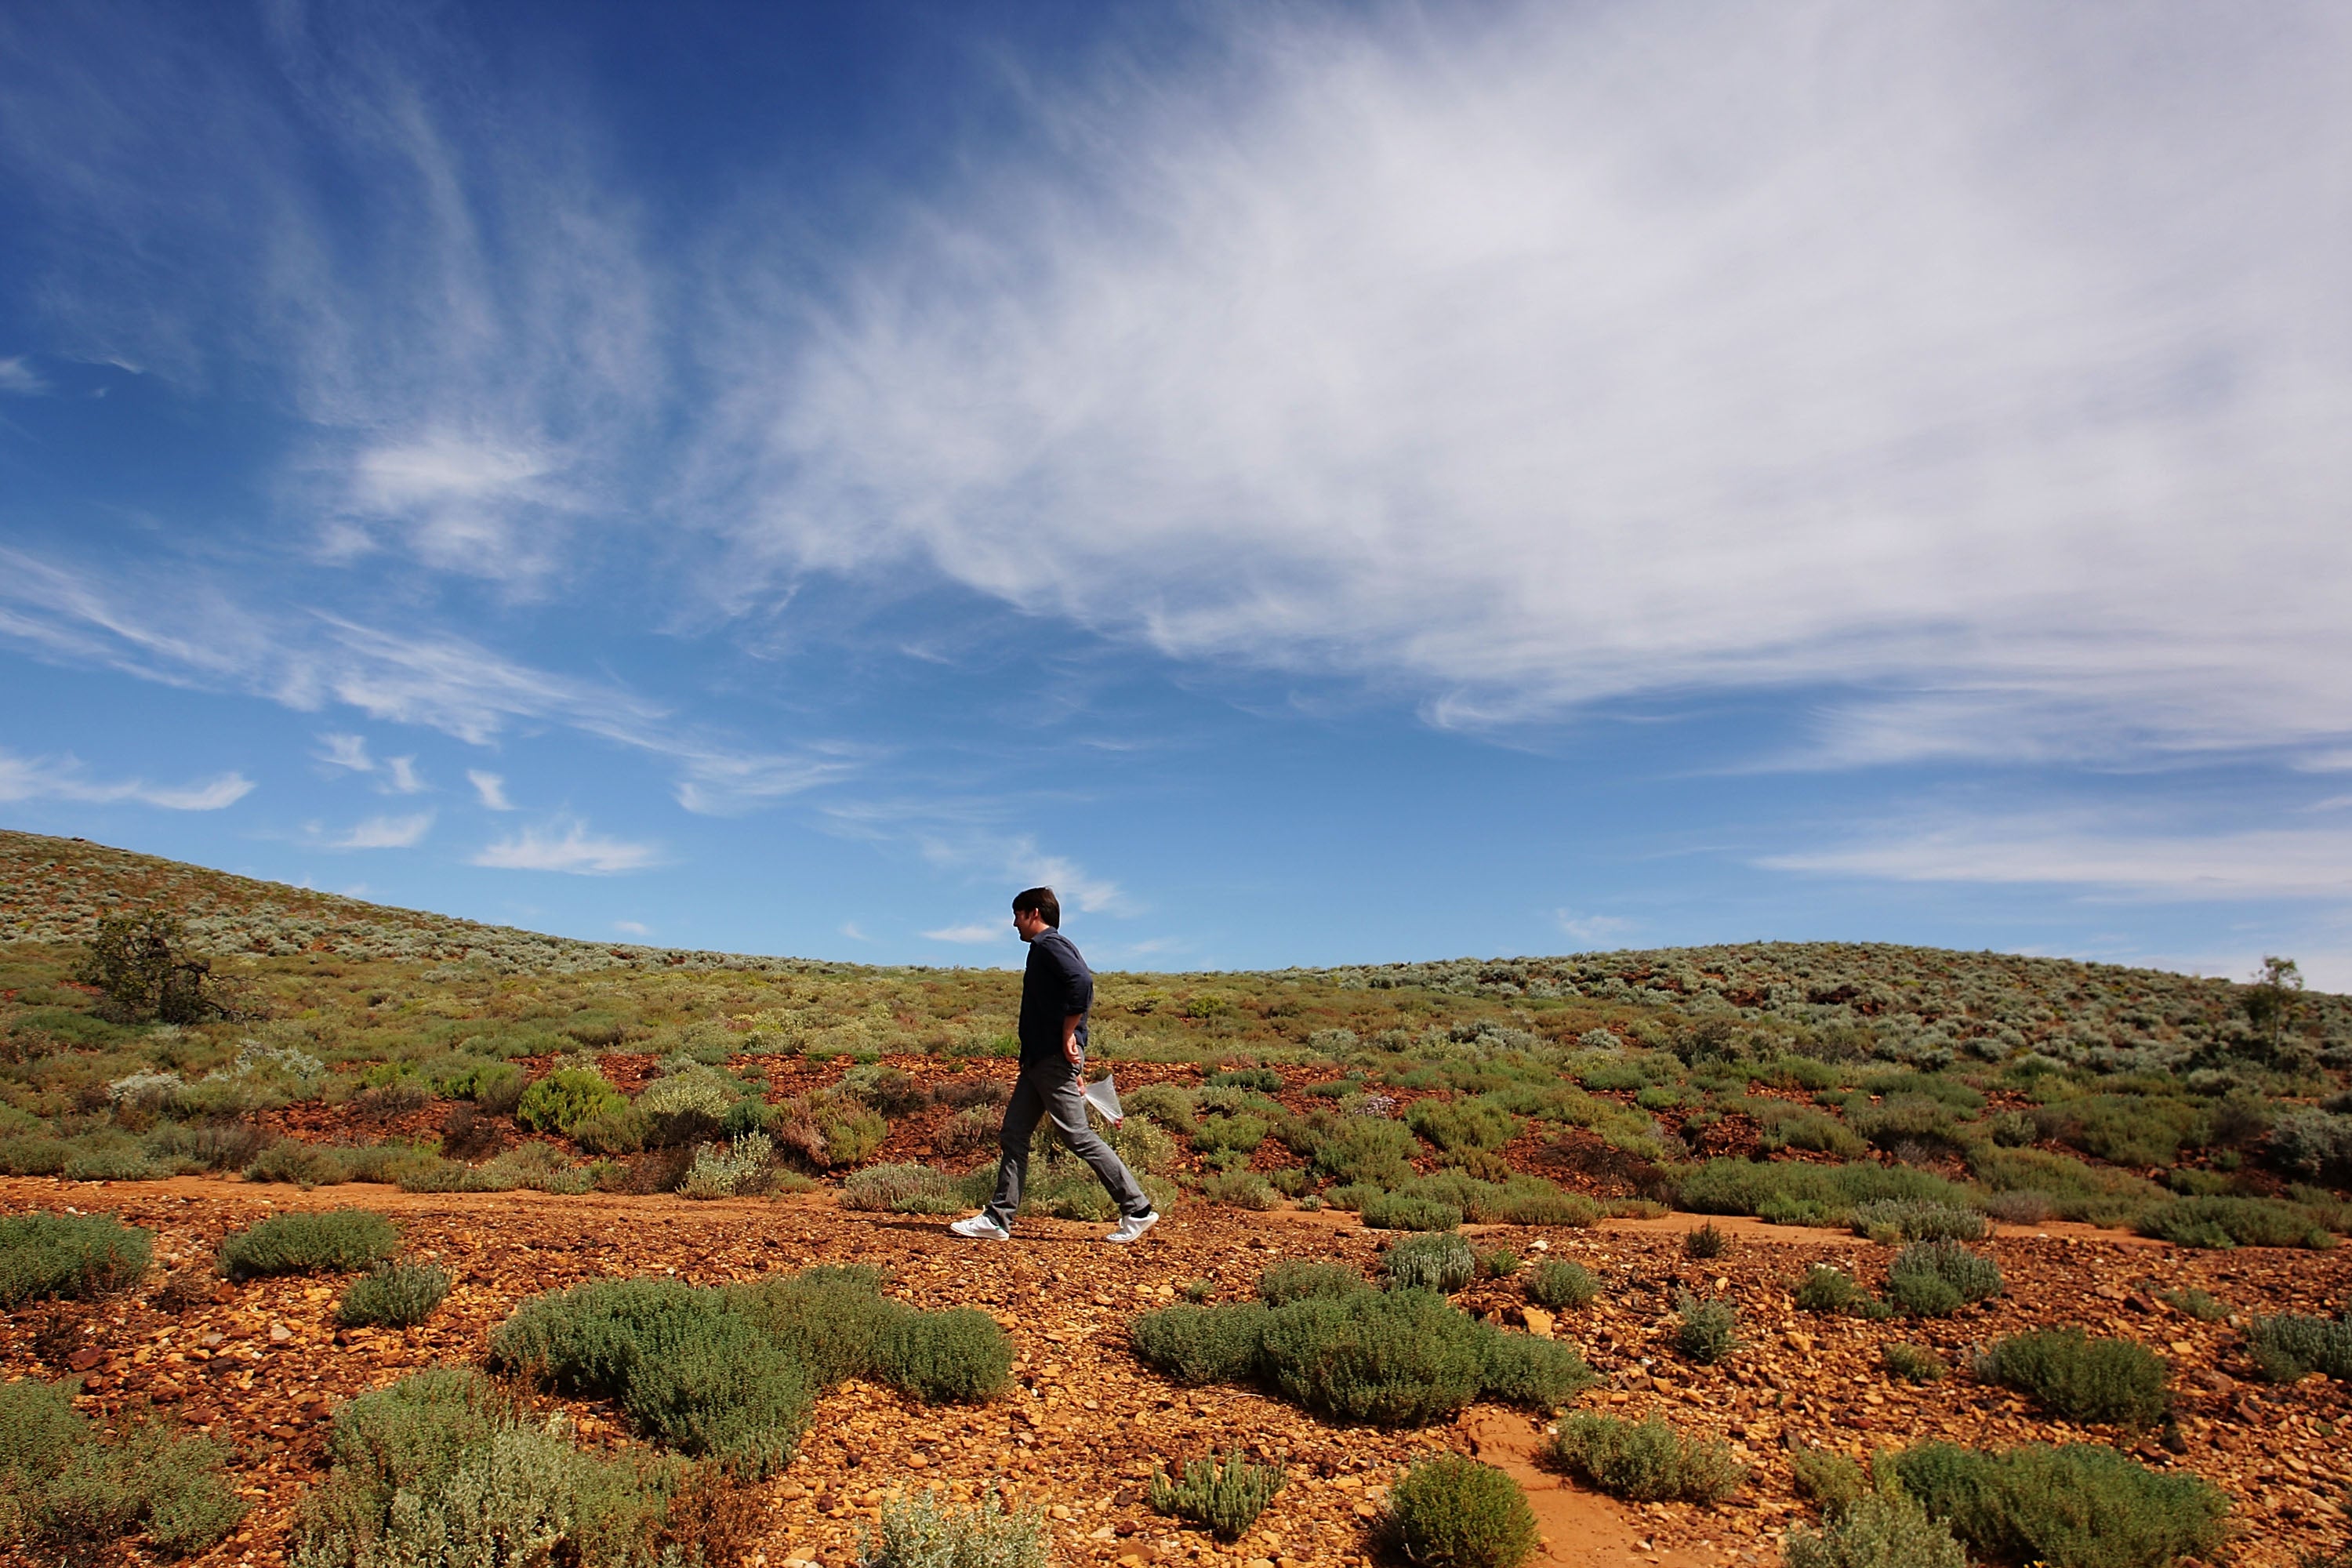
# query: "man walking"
1056,993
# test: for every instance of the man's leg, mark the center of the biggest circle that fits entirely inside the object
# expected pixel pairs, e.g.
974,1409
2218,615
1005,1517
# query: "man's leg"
1020,1116
1066,1101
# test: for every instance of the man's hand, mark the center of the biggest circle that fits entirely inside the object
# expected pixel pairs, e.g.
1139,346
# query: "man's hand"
1070,1039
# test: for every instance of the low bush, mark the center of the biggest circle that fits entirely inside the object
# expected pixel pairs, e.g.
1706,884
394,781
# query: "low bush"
1877,1529
1708,1241
1531,1373
1240,1190
1913,1364
1362,1150
394,1295
1936,1278
1558,1283
2095,1194
2079,1505
335,1240
2291,1347
1264,1080
1389,1211
1454,1513
67,1488
883,1188
2081,1379
303,1164
1203,1344
1296,1279
930,1532
623,1132
1230,1134
1225,1498
960,1356
1899,1219
441,1468
1705,1332
1462,1126
1499,1264
74,1256
1827,1477
2021,1208
831,1318
1827,1289
2225,1221
2311,1142
1821,1195
1644,1461
2194,1303
729,1169
564,1098
1444,1263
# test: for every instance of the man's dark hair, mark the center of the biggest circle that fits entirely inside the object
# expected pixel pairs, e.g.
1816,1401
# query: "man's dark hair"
1041,902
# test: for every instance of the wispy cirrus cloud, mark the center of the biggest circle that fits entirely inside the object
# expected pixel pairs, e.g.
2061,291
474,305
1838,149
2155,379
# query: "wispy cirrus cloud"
972,932
19,377
566,845
384,833
65,778
490,789
2096,855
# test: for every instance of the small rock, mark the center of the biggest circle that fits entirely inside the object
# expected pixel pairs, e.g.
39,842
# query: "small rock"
279,1334
2140,1301
1539,1322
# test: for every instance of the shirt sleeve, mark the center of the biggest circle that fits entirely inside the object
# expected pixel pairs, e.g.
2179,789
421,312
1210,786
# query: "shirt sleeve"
1078,984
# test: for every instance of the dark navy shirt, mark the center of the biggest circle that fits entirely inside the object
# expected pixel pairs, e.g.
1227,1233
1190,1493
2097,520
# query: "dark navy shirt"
1058,983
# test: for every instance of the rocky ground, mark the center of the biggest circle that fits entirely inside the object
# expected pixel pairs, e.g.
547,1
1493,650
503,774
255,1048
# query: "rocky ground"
261,1366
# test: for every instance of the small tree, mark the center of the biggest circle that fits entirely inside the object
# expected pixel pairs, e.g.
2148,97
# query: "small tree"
2273,999
143,966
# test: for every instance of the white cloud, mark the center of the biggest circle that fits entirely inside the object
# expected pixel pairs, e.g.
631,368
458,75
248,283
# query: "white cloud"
490,788
575,850
974,931
18,377
1590,928
722,783
385,833
2095,855
1991,363
400,776
63,778
346,752
632,928
849,929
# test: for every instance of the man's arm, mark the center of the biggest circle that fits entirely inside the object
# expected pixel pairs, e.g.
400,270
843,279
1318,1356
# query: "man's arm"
1070,1037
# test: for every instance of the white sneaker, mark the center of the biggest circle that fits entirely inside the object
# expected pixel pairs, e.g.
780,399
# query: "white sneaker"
980,1227
1133,1226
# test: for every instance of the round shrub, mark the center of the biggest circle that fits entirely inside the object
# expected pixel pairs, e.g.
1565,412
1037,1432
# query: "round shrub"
1936,1278
1531,1373
564,1098
1828,1290
1395,1358
1392,1211
1557,1283
1444,1263
2078,1505
394,1295
336,1240
2082,1379
75,1256
1296,1279
1202,1345
1875,1530
1454,1512
958,1356
1644,1461
1708,1331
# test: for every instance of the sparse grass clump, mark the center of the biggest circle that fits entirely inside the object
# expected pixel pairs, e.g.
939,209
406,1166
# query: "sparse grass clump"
1913,1364
68,1488
74,1255
1242,1189
394,1295
1706,1331
2291,1347
1708,1241
2079,1505
929,1532
2197,1304
1875,1530
1225,1498
1827,1289
1558,1283
1644,1461
1454,1512
333,1241
2080,1379
1936,1278
1442,1263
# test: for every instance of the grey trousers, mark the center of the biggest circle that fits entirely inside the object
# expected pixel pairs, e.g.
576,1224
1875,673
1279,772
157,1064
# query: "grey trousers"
1052,1089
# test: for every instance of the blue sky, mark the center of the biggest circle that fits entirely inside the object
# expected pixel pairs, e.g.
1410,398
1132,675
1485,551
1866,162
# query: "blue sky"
1317,483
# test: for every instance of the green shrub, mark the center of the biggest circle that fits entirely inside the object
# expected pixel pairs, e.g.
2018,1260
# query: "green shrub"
2080,1379
1263,1080
1827,1289
1557,1283
1528,1372
1388,1211
1913,1364
303,1164
334,1240
621,1131
1499,1264
1364,1150
564,1098
1875,1530
74,1255
930,1532
1444,1263
1936,1278
1224,1498
394,1295
1236,1134
1644,1461
1296,1279
1241,1190
958,1356
1454,1513
2072,1190
1897,1219
1707,1330
1827,1477
1164,1103
1828,1192
2194,1303
1394,1358
1203,1344
900,1189
442,1468
831,1318
2075,1506
2221,1222
1708,1241
1460,1127
66,1488
2290,1347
